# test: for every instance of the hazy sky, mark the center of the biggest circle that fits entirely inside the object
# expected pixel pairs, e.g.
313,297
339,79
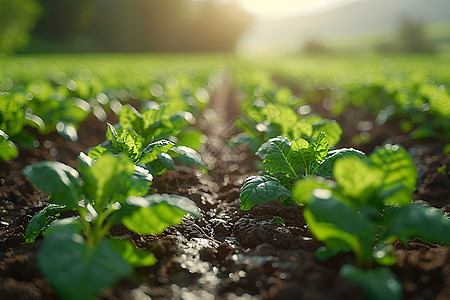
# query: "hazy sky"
272,9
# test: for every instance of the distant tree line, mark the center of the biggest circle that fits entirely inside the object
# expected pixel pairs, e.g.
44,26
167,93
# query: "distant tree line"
136,25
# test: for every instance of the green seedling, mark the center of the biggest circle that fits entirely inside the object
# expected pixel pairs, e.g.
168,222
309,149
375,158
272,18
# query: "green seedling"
157,156
365,210
286,161
75,257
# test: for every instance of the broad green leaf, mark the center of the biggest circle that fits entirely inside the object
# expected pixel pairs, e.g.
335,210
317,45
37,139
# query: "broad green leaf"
326,168
414,221
11,116
7,148
330,220
302,190
138,183
398,171
276,157
167,161
303,154
191,138
332,130
378,284
440,103
107,176
301,129
279,221
258,189
151,118
25,139
128,142
75,269
41,220
97,151
136,258
320,147
59,180
131,118
151,151
188,156
154,213
282,116
358,180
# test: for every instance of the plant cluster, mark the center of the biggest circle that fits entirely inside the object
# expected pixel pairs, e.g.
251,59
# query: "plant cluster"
277,112
365,210
286,161
107,191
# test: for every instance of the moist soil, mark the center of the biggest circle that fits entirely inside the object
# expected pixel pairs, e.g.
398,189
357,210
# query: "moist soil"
229,253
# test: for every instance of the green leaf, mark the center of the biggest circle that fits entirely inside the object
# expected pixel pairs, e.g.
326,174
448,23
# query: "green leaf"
11,116
7,148
150,153
128,142
303,155
378,284
188,157
276,157
138,183
154,213
399,174
191,138
331,128
326,168
320,147
258,189
279,221
413,221
76,270
167,161
302,190
41,220
97,151
337,224
58,179
131,118
301,129
107,176
358,180
136,258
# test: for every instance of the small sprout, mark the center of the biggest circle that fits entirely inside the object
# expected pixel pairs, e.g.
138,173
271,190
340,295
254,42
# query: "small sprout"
442,170
279,221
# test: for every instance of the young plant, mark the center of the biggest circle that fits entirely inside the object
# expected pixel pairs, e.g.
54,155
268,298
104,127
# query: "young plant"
365,210
157,156
272,113
75,256
286,161
13,118
158,122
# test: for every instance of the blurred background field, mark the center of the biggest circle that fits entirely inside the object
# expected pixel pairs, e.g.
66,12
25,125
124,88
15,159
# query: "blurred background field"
389,58
247,27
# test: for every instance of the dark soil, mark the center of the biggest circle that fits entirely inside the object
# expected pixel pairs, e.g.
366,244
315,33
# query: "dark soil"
229,253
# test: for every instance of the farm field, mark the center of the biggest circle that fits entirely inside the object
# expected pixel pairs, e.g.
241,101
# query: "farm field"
369,135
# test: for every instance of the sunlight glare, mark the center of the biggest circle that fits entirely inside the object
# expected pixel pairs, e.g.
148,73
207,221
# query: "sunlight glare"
285,8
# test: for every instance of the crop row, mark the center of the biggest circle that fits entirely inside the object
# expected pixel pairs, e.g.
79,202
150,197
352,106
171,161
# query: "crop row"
40,95
363,210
